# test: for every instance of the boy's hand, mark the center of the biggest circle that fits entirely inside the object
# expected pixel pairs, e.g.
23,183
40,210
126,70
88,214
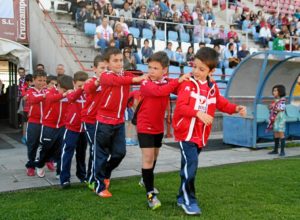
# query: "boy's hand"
205,118
139,79
242,110
67,92
184,77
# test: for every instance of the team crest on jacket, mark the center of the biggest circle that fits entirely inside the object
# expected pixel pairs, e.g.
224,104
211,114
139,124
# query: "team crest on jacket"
187,88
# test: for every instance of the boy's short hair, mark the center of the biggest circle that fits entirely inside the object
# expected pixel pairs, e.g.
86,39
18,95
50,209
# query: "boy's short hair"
80,76
208,56
41,65
65,82
21,68
50,78
160,57
280,89
39,73
28,78
98,59
281,33
201,43
111,51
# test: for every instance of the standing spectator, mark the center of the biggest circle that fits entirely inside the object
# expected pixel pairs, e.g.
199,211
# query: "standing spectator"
104,34
60,70
128,59
131,44
243,52
146,51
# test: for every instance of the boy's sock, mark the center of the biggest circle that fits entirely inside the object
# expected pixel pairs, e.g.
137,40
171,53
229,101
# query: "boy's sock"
148,178
282,146
275,150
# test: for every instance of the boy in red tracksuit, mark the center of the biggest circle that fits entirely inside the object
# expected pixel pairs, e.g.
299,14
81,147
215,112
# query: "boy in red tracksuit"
34,99
110,129
197,101
53,123
155,94
92,91
74,137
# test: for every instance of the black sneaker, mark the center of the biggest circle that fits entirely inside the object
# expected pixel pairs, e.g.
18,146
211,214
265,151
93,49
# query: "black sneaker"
66,185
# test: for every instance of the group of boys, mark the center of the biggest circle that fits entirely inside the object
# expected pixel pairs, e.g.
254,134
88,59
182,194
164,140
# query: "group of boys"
62,118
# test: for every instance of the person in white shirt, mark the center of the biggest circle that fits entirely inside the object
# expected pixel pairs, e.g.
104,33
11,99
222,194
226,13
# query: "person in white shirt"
174,9
265,35
104,34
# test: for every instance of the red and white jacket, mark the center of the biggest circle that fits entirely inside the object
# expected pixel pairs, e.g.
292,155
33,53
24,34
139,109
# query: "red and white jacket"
76,102
93,95
155,98
115,91
35,99
194,96
55,109
24,91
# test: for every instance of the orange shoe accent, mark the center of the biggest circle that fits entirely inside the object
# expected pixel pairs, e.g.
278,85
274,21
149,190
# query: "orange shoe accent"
107,183
105,194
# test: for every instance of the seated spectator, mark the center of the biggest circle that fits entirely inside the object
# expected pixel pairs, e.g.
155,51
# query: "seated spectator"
233,34
297,14
231,40
243,52
127,13
82,16
169,51
213,32
174,9
97,14
236,17
111,13
230,57
265,35
208,15
201,44
179,57
252,15
199,33
182,6
272,19
190,56
151,22
156,8
260,16
104,34
279,42
118,4
278,21
133,48
186,15
124,25
285,20
197,15
146,51
119,36
248,27
222,37
128,59
102,3
140,24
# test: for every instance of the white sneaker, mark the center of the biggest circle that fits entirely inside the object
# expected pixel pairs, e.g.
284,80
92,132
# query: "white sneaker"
40,172
142,184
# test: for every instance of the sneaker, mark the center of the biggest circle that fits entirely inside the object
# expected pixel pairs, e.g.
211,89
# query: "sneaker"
91,186
273,152
50,166
105,194
40,172
57,176
142,184
107,183
180,201
192,209
66,185
30,172
282,154
153,201
23,140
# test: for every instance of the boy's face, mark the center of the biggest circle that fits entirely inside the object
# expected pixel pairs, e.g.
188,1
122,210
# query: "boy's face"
78,84
21,73
39,82
201,70
101,67
115,63
156,70
52,84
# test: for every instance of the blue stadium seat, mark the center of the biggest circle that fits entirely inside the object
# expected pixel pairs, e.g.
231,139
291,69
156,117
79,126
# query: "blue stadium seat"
262,113
187,69
184,37
174,72
160,35
217,75
228,73
134,31
147,33
89,29
172,36
222,87
292,113
142,67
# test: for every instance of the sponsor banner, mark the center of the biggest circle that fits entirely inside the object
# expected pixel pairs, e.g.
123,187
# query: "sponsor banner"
14,20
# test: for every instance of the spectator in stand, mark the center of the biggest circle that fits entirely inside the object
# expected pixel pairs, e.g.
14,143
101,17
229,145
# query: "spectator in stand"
119,36
151,22
60,70
230,56
236,17
169,51
81,17
131,44
279,43
124,25
260,16
179,57
285,20
233,34
222,37
243,52
102,3
272,19
186,15
174,9
127,13
208,15
201,44
104,34
97,14
140,24
231,40
252,16
278,22
213,32
117,4
294,22
197,16
199,33
111,13
146,51
190,56
265,35
198,5
128,59
218,49
297,14
247,26
182,7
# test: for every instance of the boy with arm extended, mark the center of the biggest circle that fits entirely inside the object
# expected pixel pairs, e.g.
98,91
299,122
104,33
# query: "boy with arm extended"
35,97
110,146
92,91
74,136
197,102
53,123
150,118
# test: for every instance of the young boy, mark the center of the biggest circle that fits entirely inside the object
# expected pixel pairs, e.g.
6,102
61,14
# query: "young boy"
35,97
197,102
53,123
88,114
74,137
150,118
110,131
51,82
